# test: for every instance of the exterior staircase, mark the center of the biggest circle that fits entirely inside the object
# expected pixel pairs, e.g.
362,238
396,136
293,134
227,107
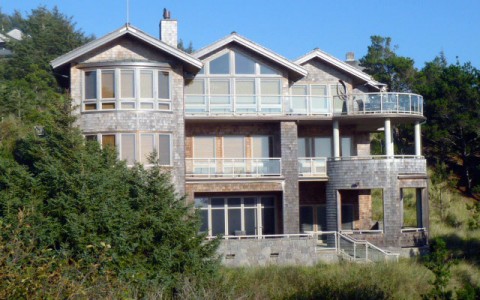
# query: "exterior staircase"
361,251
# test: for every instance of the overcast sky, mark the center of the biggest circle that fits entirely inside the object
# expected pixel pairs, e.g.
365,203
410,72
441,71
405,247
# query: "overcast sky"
421,28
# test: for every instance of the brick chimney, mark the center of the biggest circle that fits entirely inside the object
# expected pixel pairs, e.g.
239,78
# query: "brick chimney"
168,29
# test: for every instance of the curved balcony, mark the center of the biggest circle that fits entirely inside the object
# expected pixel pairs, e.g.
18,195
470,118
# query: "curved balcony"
357,104
353,104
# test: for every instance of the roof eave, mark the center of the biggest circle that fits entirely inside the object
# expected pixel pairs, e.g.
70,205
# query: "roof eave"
296,71
339,64
68,57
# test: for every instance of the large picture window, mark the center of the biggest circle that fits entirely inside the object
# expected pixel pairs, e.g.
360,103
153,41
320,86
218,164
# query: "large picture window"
237,215
126,89
235,82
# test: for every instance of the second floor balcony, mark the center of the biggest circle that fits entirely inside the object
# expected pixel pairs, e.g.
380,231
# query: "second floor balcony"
312,166
351,104
233,167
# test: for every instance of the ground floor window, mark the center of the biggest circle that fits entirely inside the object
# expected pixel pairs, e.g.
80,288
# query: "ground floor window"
237,215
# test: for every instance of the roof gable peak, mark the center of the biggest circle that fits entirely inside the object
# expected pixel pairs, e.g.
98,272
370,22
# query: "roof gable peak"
186,58
295,71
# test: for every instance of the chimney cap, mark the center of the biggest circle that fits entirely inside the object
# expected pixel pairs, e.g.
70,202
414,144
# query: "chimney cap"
350,56
166,14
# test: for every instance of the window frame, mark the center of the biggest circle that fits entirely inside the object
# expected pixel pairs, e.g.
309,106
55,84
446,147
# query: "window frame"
120,102
258,206
137,146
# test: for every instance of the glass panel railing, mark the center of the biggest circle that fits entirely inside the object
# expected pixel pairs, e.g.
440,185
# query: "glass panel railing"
233,167
319,105
312,166
367,103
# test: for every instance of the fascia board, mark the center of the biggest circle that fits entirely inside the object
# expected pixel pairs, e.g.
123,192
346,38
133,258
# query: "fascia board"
293,67
59,61
339,64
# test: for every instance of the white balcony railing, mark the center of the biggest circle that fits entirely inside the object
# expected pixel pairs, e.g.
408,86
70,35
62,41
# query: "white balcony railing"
310,105
233,105
312,166
232,167
368,103
352,104
376,157
355,104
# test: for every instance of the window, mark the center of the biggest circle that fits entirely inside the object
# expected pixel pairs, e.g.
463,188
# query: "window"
310,99
127,149
313,218
147,146
163,85
146,84
246,87
91,85
108,84
262,147
315,147
346,146
164,149
139,147
220,65
108,140
237,215
127,84
243,64
233,147
204,147
110,89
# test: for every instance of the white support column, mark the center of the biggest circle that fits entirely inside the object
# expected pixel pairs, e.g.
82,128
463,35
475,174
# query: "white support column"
418,139
336,139
388,138
392,140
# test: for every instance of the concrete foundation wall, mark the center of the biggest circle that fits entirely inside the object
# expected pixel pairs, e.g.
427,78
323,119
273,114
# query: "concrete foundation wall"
252,252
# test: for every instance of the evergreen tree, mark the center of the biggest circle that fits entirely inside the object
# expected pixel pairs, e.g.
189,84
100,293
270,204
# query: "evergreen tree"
381,61
452,107
66,198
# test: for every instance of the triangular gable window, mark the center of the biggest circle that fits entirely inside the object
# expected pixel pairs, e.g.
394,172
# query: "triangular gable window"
244,64
265,70
220,65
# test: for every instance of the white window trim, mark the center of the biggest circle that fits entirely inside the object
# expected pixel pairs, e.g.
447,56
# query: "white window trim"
119,100
258,206
138,146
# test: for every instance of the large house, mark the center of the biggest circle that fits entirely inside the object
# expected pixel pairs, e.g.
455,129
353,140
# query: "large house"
275,153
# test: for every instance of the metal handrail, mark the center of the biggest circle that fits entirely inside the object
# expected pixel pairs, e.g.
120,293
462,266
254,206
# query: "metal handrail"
367,245
376,157
421,229
263,236
352,104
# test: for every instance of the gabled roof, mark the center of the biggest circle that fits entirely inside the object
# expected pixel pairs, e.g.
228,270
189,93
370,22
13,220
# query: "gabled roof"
127,29
15,34
317,53
295,71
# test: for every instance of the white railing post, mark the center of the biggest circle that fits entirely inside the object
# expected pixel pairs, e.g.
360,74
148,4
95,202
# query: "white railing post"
354,251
